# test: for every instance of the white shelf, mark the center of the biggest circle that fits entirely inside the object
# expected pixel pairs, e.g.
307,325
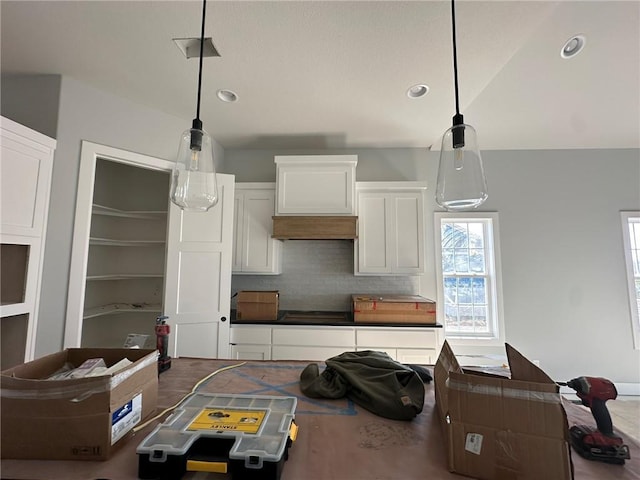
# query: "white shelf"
110,242
114,212
121,308
123,277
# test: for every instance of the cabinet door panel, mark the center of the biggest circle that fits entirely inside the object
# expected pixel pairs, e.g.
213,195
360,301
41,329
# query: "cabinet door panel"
372,235
409,234
258,226
238,238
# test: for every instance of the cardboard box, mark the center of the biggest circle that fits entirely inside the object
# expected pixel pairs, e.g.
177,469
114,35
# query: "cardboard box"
393,309
80,418
256,305
500,427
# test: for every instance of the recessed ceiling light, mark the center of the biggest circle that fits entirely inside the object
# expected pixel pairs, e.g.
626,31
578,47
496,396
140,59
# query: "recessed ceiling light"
573,46
417,91
227,96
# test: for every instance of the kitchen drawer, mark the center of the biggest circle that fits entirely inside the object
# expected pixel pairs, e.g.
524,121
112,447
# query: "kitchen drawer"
251,334
330,337
396,338
416,356
290,352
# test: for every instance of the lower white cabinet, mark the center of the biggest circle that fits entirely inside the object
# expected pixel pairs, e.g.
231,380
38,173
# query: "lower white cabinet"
251,352
419,345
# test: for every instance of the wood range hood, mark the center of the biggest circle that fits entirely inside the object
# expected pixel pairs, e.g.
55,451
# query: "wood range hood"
315,227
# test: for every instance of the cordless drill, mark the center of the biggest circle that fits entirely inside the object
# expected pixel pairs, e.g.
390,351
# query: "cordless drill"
162,344
600,444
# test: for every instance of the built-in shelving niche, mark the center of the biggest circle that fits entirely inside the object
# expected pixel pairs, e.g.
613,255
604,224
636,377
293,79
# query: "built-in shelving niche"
127,251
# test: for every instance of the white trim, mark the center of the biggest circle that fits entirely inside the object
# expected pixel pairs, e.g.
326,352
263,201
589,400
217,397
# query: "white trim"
89,153
633,306
497,294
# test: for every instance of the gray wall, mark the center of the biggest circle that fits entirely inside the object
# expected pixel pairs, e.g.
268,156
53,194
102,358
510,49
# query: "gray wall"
565,295
40,113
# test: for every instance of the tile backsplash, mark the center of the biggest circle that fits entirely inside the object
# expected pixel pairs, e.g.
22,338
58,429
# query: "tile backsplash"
318,275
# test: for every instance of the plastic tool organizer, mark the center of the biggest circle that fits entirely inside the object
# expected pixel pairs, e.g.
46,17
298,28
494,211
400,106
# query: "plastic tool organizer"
244,436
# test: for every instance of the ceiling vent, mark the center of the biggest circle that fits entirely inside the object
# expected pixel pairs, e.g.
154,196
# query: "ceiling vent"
190,47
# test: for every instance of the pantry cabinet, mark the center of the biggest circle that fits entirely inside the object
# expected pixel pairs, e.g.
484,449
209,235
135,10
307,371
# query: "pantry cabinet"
418,345
122,291
254,251
136,256
26,164
391,228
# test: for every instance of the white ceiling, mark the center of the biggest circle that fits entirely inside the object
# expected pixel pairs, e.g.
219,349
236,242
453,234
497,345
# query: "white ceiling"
333,74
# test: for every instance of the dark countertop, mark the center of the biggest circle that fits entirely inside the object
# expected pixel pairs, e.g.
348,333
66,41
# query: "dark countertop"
318,318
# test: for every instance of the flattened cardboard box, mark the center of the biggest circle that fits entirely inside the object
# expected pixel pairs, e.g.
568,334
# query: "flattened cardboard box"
393,309
257,305
497,427
75,419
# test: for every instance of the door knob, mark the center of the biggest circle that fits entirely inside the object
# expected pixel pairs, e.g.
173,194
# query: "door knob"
223,319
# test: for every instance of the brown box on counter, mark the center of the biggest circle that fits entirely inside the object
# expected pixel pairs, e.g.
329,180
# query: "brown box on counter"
502,427
393,309
76,418
257,305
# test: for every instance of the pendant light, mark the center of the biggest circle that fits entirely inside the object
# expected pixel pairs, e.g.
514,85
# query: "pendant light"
461,182
193,184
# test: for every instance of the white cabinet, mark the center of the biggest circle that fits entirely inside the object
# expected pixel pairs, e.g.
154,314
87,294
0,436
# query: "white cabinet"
254,251
315,184
418,345
250,342
391,229
25,176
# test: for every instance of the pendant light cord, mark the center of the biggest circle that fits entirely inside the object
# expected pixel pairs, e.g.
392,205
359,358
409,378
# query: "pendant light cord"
455,55
204,11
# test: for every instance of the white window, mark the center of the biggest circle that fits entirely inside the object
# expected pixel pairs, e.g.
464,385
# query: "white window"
469,285
631,230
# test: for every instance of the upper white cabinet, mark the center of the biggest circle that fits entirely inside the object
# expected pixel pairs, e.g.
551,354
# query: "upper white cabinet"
390,228
25,176
315,184
254,251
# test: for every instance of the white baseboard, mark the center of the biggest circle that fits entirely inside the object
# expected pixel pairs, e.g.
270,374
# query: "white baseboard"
631,389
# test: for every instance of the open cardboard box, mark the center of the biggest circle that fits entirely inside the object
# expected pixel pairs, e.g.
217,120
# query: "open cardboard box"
499,427
80,418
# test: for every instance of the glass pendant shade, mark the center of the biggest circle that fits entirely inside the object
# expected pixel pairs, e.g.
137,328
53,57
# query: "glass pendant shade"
193,184
461,181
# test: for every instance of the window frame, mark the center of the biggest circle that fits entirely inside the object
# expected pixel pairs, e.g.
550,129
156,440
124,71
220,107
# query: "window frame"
494,276
626,218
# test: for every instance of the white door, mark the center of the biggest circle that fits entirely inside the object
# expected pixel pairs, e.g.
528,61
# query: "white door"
198,277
